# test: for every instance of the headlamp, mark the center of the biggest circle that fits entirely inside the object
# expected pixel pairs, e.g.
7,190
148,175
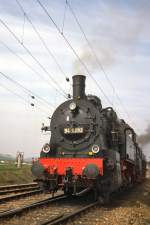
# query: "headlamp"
72,106
95,149
46,148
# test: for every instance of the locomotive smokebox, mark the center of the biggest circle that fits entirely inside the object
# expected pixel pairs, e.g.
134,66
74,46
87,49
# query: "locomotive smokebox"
78,86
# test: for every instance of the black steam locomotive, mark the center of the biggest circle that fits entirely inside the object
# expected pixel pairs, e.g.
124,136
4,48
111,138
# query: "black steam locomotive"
90,148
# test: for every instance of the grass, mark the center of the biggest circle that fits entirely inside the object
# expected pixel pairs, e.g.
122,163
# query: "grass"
10,174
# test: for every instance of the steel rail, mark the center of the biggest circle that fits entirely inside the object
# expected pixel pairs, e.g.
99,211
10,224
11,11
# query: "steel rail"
19,190
20,195
62,218
18,211
3,187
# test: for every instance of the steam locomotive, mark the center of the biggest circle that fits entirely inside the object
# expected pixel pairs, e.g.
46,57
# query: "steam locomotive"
90,148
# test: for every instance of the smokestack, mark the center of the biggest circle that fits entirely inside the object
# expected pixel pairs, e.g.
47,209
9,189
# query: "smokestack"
78,86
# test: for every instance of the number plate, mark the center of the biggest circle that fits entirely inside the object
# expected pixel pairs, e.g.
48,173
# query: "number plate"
76,130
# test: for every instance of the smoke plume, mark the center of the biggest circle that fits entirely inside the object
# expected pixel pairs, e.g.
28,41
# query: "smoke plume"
115,36
144,139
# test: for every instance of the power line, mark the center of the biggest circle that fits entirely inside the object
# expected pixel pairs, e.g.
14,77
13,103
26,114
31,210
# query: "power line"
25,63
73,50
19,96
64,17
90,46
26,89
60,90
41,39
23,99
80,60
96,57
23,27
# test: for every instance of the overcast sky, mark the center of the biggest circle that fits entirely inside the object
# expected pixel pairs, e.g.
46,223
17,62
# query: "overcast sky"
119,33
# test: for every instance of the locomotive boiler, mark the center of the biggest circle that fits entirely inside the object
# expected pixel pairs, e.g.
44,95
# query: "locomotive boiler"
90,148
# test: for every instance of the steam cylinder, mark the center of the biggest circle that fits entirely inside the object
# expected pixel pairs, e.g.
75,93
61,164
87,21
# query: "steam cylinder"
78,86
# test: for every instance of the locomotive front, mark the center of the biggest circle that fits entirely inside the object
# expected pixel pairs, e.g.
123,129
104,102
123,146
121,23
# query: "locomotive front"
73,159
75,124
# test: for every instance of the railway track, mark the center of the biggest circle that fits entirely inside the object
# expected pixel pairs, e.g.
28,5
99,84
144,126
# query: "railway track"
62,218
13,186
11,192
56,210
17,190
19,211
20,195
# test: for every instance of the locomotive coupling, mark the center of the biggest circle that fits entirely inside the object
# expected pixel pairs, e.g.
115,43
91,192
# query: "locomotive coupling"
69,172
68,175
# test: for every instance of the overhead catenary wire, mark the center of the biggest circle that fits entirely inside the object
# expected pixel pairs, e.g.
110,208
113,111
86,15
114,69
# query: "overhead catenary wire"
85,67
64,17
25,63
74,51
26,89
60,90
96,57
23,28
23,99
41,38
16,94
80,60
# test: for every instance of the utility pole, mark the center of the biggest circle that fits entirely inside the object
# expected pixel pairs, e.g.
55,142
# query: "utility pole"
19,159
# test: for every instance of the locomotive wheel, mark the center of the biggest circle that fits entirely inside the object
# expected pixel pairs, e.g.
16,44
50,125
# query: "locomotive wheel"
68,192
43,186
104,199
101,200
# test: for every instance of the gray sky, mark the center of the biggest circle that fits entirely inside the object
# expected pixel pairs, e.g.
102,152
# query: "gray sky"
119,34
